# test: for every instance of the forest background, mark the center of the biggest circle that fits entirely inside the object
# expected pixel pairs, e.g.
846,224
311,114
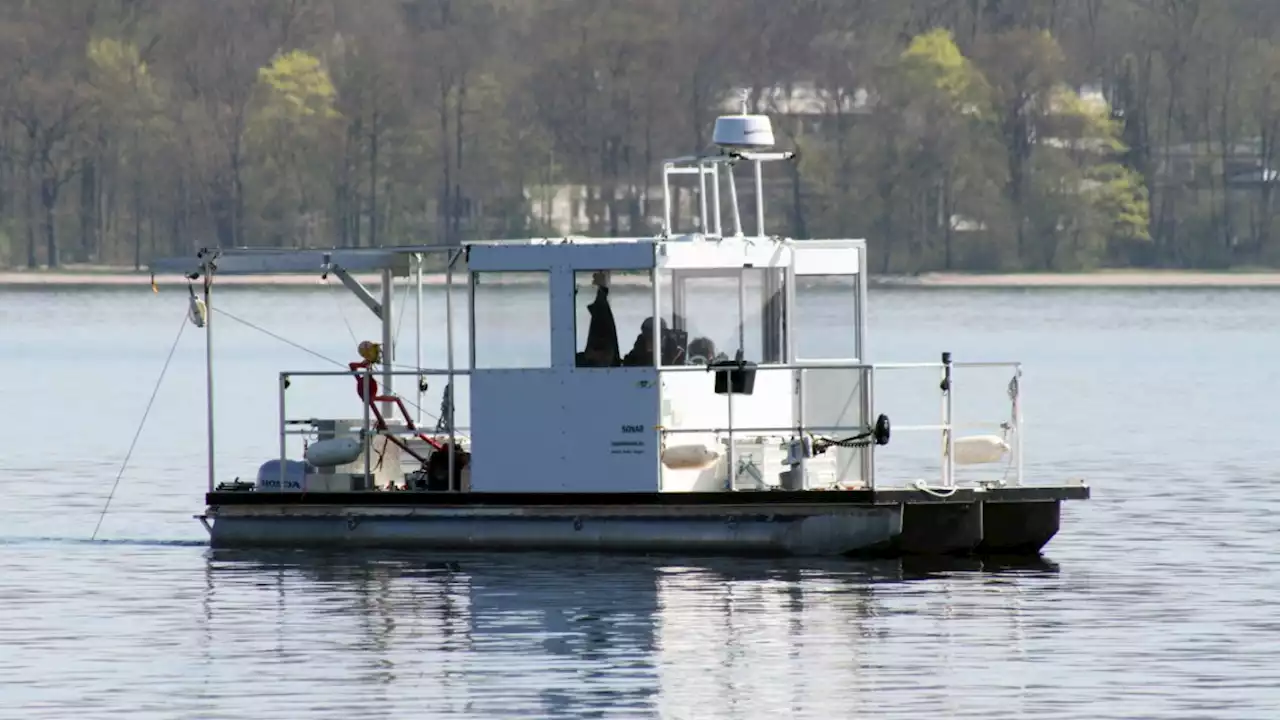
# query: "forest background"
956,135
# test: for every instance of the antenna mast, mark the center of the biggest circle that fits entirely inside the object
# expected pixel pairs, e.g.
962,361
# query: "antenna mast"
737,137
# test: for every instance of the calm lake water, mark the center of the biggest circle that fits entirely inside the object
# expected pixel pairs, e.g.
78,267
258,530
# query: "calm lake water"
1155,601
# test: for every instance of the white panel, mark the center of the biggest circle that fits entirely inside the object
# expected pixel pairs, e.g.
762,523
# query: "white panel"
610,415
833,398
497,258
618,255
690,402
564,430
831,243
563,325
825,261
692,254
729,252
518,437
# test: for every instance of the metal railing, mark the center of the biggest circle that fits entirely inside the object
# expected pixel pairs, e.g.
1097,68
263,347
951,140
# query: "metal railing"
946,368
708,167
367,375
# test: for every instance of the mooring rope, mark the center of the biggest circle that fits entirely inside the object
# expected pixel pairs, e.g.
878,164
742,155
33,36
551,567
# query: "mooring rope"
137,434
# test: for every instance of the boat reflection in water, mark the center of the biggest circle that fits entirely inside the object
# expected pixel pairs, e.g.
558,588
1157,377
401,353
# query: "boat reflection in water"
502,635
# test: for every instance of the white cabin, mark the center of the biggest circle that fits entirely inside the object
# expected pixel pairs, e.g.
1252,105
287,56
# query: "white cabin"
663,426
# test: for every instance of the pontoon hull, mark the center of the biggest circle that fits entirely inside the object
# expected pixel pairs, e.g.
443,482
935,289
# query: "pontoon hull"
1010,521
813,535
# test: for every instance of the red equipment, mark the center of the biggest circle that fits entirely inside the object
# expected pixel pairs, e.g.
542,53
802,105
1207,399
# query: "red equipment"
371,354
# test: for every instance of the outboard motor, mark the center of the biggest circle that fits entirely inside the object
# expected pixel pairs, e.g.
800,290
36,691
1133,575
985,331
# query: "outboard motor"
295,475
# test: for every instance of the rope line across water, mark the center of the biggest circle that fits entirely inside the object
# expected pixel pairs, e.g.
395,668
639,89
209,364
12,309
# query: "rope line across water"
137,434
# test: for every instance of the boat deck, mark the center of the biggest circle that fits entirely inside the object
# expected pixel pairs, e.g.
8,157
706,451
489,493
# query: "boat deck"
1001,521
746,498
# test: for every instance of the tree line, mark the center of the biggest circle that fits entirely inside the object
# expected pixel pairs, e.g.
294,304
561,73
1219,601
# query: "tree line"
953,134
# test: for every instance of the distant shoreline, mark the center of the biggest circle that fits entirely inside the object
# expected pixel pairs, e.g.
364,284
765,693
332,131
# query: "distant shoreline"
109,277
1099,279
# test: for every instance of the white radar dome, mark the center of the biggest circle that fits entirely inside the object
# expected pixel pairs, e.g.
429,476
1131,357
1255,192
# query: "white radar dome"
743,132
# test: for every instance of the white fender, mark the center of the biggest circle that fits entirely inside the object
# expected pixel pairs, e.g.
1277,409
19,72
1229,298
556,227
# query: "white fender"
197,313
333,452
688,457
978,449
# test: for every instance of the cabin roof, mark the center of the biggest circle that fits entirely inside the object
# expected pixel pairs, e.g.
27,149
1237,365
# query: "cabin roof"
614,253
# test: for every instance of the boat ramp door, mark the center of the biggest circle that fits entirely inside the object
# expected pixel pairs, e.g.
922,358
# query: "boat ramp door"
829,317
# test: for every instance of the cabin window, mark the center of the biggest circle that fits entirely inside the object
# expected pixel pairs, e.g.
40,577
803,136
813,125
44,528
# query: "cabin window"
829,303
728,313
512,320
610,311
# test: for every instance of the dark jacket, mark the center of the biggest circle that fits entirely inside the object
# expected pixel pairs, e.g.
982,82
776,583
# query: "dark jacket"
602,334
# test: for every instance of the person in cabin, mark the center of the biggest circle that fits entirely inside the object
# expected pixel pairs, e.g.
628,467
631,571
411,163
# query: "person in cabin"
701,351
602,349
673,345
602,334
641,353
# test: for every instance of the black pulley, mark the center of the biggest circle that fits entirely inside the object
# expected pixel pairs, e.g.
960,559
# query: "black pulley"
881,431
437,469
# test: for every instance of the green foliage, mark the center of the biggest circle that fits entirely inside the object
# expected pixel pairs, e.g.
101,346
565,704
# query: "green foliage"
1085,122
289,134
953,136
932,63
126,91
119,66
1086,202
297,87
1119,194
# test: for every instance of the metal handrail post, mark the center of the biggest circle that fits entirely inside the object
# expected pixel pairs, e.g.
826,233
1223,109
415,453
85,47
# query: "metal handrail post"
948,466
666,199
208,271
417,319
655,283
473,279
868,377
759,198
715,198
388,341
870,449
448,323
798,384
284,379
803,466
729,379
364,430
733,194
702,199
1017,423
733,448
